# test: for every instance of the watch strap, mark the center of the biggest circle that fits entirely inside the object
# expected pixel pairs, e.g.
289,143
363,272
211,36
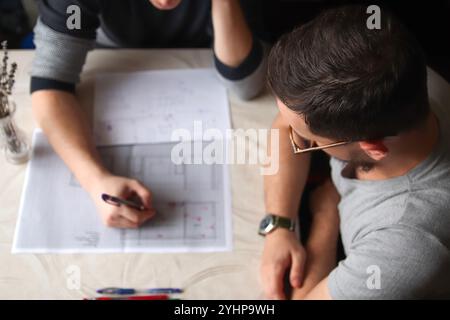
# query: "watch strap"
285,223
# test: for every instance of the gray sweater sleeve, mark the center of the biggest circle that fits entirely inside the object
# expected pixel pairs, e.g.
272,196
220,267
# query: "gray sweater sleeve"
248,79
395,262
59,58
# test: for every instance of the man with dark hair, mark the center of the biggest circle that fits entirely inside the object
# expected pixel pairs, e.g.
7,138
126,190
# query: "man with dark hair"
361,96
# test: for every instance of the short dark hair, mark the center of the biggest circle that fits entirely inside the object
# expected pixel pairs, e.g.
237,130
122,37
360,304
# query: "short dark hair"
350,82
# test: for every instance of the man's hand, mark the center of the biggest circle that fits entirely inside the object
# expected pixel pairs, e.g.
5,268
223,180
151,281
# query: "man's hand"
123,216
322,241
282,251
282,194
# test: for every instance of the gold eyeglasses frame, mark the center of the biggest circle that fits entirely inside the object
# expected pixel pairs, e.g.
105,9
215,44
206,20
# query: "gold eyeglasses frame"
299,150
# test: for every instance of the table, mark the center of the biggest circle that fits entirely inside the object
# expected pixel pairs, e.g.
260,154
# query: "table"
229,275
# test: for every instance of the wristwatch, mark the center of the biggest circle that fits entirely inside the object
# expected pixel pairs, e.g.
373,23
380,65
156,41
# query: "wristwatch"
271,222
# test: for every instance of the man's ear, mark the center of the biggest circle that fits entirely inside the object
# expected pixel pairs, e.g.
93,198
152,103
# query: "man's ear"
375,149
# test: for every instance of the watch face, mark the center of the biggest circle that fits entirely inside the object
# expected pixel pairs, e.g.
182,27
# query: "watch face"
266,225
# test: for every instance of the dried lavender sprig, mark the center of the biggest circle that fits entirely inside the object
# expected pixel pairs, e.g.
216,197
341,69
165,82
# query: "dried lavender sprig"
7,81
4,103
5,59
11,76
4,81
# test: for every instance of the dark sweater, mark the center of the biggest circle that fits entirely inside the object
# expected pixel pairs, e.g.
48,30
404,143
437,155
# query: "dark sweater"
61,52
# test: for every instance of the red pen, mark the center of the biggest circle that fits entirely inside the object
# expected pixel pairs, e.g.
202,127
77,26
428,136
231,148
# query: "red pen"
152,297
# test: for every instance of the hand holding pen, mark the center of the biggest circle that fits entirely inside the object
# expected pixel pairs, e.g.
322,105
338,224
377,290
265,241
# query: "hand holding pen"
122,202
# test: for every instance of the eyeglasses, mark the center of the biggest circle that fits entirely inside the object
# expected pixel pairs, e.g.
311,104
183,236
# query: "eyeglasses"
311,145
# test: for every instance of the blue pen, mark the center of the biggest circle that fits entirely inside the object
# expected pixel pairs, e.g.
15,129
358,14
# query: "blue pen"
131,291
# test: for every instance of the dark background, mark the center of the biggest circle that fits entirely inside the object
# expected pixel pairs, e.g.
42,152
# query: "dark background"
428,20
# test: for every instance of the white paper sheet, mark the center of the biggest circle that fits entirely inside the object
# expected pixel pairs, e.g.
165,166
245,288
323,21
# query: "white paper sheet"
145,107
135,115
57,215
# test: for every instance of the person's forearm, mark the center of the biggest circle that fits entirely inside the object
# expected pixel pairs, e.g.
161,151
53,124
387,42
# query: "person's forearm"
283,190
321,251
61,118
282,193
232,36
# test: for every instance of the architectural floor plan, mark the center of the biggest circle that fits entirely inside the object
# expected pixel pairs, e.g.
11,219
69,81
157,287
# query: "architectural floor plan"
135,117
192,204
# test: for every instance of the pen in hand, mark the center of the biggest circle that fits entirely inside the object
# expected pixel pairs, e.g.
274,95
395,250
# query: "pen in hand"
116,201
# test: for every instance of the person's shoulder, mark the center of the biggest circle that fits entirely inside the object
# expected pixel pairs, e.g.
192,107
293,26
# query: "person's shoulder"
426,211
412,250
408,238
395,262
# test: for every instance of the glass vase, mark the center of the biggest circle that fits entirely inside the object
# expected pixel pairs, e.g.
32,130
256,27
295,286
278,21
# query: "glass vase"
12,140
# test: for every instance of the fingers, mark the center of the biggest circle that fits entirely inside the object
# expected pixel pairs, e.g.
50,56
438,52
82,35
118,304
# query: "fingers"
148,214
274,282
135,216
117,221
277,283
144,194
297,269
126,224
121,221
124,216
132,215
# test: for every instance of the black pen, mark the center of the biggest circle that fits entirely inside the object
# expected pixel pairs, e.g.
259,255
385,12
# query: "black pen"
115,201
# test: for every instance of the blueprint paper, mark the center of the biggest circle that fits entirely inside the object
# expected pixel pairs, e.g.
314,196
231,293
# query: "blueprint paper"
135,115
57,215
145,107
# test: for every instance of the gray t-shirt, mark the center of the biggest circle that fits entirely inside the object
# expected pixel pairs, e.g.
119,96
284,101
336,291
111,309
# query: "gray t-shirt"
396,232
